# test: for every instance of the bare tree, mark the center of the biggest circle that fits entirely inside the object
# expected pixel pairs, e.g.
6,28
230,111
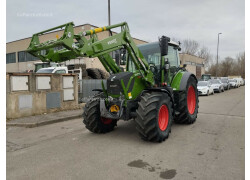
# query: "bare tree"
190,46
230,66
204,53
241,64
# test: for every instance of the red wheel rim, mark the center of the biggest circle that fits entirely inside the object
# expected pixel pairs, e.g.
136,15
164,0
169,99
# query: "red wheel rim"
163,117
106,120
191,100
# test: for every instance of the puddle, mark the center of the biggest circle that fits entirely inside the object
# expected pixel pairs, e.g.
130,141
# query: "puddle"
138,164
167,174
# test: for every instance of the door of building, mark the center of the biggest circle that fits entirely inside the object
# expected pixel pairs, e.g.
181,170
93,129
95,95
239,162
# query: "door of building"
198,71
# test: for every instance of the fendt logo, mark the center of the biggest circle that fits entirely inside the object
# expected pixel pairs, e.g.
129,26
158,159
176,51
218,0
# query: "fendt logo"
112,41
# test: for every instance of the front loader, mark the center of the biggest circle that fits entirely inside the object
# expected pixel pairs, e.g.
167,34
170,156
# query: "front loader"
153,90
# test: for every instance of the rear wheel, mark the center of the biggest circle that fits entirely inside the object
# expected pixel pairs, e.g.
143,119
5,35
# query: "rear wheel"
154,116
187,103
93,121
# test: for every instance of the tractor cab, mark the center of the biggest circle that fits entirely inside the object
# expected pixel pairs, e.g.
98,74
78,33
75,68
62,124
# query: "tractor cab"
152,53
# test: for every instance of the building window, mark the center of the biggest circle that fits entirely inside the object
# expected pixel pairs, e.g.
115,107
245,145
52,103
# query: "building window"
200,65
24,56
10,58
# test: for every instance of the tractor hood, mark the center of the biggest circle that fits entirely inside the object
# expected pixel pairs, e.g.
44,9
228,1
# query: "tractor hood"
114,86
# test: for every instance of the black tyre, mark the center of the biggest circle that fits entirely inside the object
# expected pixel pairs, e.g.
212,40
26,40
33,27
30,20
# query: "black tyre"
93,121
207,93
94,73
154,116
104,75
187,103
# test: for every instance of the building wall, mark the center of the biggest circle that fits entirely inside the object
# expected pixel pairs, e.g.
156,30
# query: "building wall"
192,63
22,45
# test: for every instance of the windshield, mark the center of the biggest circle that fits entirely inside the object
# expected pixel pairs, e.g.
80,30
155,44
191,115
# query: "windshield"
152,53
206,76
45,70
200,83
215,81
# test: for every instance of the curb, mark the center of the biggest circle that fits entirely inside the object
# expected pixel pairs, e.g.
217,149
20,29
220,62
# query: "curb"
42,123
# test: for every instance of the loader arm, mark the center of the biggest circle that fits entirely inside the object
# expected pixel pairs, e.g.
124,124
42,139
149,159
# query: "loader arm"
77,45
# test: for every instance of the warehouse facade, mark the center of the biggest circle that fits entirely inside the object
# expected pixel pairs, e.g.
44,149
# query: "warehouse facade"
18,60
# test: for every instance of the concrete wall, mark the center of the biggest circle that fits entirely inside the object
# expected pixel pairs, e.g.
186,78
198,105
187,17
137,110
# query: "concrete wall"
33,101
22,45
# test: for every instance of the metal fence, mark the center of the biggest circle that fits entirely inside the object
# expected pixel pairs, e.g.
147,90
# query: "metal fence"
86,86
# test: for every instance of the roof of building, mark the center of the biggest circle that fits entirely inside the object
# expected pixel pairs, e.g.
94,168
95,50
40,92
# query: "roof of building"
191,55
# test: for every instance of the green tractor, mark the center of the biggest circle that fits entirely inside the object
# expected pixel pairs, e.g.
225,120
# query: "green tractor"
153,90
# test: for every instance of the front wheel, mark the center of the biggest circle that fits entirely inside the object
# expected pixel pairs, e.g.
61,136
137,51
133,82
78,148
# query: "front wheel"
93,121
187,103
154,116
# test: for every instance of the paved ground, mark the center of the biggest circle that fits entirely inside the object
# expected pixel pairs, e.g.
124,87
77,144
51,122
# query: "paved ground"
212,148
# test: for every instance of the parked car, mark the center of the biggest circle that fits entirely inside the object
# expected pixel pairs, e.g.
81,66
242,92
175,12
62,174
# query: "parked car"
225,83
242,82
58,70
217,85
237,82
233,83
205,88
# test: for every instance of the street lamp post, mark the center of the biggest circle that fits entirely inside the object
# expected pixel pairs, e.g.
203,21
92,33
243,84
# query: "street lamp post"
109,12
217,53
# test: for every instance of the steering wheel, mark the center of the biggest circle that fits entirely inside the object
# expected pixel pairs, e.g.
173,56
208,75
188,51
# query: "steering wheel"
152,67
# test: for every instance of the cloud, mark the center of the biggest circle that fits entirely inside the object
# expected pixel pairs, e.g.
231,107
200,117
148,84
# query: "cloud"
193,19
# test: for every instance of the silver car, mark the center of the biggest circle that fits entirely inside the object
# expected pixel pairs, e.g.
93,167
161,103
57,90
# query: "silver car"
217,85
226,84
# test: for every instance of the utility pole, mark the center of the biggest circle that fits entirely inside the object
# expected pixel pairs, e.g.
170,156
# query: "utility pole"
109,12
217,53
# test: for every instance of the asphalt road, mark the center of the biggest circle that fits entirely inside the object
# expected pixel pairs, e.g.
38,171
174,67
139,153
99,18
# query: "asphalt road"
212,148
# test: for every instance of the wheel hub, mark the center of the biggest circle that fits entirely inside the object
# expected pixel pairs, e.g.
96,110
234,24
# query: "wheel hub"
191,100
163,117
106,120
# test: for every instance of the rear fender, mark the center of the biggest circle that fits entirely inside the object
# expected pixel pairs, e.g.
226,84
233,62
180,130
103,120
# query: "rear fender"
180,80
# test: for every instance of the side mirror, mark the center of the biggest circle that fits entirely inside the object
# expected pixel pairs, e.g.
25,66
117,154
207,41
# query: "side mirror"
184,65
163,42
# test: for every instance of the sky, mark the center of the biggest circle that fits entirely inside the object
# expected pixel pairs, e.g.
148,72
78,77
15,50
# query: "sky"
148,20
